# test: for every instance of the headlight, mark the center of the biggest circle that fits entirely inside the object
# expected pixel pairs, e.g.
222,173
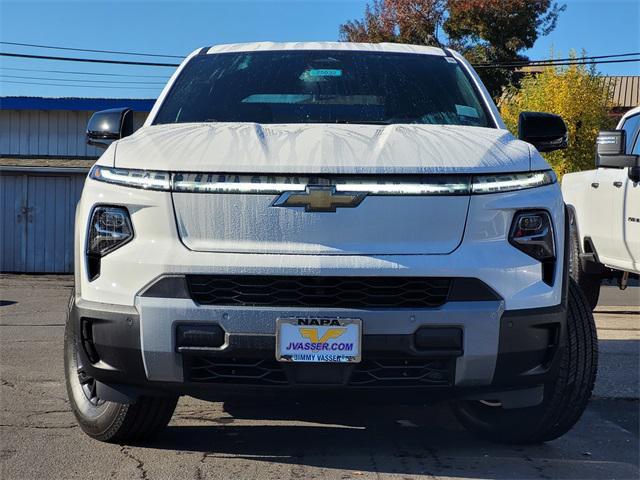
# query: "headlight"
109,229
411,185
532,233
506,182
146,179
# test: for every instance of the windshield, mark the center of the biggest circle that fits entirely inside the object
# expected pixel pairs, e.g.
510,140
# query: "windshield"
321,86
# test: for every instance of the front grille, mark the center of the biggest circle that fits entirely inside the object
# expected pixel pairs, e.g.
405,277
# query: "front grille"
331,292
369,373
237,371
392,373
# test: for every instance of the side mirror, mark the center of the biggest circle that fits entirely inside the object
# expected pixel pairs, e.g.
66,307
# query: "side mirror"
108,125
610,153
545,131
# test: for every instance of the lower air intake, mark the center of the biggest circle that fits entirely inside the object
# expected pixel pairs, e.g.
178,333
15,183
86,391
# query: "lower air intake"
316,292
369,373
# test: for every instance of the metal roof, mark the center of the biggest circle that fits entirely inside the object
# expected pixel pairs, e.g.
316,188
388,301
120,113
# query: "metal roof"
45,164
625,90
79,104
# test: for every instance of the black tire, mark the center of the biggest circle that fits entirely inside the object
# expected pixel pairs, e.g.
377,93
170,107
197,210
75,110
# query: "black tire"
588,282
110,421
565,398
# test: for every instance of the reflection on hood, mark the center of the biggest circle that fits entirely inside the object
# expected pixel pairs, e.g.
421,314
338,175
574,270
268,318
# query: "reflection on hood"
322,149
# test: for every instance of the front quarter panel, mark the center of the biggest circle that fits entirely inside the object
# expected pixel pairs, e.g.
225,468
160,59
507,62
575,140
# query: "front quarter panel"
125,270
510,272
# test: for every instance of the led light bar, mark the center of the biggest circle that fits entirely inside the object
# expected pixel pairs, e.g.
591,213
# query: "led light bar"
224,183
277,184
373,185
145,179
507,182
461,188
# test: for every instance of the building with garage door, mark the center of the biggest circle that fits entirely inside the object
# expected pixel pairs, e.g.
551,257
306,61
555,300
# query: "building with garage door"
44,160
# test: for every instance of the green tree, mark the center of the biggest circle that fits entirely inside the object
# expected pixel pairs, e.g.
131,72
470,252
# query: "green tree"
577,94
496,31
485,31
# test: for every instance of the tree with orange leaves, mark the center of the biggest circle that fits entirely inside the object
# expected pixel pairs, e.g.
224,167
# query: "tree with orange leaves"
485,31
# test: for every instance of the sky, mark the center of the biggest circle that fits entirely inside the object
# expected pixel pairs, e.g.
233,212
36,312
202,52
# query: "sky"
601,27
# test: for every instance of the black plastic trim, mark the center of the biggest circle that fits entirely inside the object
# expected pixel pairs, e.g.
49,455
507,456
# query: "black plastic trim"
588,256
462,289
589,259
307,291
447,52
193,336
94,260
467,289
531,340
548,264
115,338
439,339
170,286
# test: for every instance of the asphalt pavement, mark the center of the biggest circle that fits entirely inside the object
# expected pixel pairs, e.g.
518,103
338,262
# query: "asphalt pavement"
239,439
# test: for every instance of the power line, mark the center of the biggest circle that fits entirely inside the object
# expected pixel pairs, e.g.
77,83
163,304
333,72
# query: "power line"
554,60
119,52
51,47
560,64
82,86
78,80
514,64
82,73
88,60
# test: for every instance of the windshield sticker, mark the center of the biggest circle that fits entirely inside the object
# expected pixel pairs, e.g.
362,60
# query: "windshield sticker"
325,72
278,98
466,111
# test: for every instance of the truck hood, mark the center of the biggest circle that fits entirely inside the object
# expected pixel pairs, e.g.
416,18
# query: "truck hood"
322,149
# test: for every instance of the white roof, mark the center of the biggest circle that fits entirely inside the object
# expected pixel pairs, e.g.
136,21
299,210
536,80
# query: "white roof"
365,47
630,113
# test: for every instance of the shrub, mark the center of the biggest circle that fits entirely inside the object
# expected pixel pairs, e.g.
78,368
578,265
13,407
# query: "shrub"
576,93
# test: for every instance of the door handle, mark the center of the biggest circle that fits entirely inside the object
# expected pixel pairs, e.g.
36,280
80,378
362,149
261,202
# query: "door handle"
595,185
26,213
617,184
23,214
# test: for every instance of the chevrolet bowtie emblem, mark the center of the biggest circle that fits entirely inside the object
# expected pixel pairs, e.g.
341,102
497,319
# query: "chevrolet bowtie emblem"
320,199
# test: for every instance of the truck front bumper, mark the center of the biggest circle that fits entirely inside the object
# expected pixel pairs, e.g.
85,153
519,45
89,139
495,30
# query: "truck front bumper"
482,349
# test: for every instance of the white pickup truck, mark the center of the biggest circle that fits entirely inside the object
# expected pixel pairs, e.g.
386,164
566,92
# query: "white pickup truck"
604,206
334,219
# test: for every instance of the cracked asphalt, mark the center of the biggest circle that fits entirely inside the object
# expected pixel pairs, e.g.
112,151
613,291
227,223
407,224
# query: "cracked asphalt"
289,439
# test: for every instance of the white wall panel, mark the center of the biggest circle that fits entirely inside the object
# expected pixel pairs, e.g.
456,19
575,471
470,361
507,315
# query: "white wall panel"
43,133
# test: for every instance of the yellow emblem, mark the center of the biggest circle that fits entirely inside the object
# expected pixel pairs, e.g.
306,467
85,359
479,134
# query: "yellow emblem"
312,334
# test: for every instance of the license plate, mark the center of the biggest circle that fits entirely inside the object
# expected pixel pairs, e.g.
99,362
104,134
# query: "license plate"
323,340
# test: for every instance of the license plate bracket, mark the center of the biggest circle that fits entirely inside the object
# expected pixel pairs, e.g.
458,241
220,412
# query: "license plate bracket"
318,340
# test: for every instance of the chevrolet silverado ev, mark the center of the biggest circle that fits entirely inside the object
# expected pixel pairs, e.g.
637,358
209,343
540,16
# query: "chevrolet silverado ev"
326,217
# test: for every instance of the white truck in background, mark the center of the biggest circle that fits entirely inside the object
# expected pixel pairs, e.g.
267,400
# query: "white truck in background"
604,206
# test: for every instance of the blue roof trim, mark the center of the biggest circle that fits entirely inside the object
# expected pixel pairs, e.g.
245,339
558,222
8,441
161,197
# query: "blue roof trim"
82,104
